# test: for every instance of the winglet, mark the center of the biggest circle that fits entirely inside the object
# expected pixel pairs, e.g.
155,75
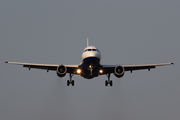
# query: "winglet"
87,42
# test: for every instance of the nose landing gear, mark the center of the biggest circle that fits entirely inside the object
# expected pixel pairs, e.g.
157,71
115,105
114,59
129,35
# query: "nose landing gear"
110,82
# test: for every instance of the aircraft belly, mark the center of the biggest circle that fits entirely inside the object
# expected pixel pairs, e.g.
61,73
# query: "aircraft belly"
88,72
89,76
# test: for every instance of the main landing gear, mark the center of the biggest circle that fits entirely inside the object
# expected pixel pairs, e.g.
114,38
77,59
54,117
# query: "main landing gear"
110,82
70,81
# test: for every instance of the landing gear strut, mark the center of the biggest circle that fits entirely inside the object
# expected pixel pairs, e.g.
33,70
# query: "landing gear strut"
70,81
110,82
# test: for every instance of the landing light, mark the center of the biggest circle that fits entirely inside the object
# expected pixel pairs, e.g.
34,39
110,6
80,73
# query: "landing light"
100,71
78,71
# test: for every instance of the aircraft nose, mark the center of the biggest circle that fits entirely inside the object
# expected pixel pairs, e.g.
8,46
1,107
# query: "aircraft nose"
95,54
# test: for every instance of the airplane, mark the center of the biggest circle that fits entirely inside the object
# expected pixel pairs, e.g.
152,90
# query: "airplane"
89,67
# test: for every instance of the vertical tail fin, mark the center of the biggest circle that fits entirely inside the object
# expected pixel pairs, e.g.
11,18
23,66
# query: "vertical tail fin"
87,42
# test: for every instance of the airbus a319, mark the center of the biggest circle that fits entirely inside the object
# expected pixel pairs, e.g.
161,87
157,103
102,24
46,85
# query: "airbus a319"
89,67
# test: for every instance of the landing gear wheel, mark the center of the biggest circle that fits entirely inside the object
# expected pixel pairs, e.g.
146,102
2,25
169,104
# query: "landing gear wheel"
72,82
106,83
111,83
68,82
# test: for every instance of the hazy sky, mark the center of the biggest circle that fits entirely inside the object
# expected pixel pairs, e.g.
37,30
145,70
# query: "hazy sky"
55,32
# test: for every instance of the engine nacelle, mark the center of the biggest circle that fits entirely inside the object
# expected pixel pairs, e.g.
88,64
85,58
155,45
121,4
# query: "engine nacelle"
61,71
119,71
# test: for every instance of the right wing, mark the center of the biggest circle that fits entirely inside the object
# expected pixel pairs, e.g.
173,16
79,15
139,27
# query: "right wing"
53,67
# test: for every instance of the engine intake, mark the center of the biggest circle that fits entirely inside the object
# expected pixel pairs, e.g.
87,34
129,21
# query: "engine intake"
61,71
119,71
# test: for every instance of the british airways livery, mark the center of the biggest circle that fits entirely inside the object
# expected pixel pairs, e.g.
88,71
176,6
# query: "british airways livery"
89,67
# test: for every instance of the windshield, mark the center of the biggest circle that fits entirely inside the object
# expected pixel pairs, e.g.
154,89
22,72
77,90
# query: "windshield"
91,50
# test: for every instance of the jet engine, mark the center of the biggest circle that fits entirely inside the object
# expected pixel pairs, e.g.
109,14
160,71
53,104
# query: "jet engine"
61,71
119,71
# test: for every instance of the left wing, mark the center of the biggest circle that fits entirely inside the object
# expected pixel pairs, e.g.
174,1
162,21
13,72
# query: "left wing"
70,68
110,68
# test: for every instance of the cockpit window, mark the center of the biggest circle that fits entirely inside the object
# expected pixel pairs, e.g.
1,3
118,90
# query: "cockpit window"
91,50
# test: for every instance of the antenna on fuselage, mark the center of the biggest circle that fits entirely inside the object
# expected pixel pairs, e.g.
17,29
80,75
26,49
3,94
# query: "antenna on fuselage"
87,42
